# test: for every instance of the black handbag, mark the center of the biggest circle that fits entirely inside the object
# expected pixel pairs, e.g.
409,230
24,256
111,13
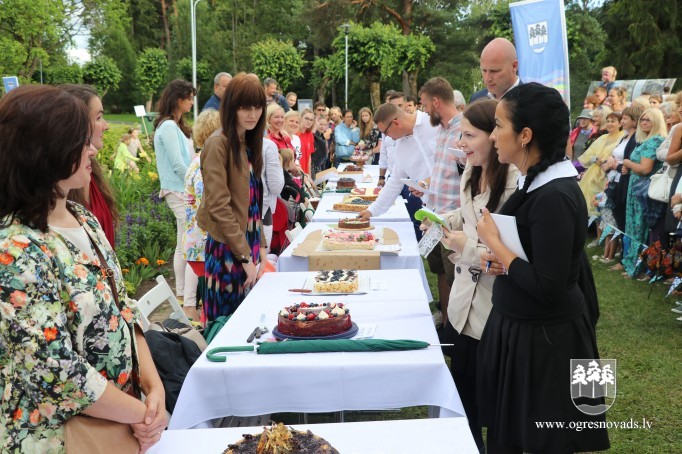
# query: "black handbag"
173,356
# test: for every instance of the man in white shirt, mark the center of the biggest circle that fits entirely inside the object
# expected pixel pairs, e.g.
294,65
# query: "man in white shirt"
413,155
387,144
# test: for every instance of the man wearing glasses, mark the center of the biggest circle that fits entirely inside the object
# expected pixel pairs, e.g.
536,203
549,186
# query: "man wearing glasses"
413,153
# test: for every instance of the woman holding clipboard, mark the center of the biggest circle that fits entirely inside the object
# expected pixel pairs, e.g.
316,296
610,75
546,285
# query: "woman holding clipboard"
539,320
486,183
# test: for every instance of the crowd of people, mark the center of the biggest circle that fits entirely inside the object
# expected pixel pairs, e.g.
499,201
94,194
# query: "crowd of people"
69,335
618,146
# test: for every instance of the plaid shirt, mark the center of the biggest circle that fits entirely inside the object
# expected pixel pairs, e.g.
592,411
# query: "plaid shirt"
446,178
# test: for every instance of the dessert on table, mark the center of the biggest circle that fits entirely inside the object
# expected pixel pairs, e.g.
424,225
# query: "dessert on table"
366,193
279,439
345,183
336,281
353,224
336,241
314,319
353,203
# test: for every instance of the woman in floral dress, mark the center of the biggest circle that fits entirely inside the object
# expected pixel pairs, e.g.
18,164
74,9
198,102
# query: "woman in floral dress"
194,238
232,203
69,345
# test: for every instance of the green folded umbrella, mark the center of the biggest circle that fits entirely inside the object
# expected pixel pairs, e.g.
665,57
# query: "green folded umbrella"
319,346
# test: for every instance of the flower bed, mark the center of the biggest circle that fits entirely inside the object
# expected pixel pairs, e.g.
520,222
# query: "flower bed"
145,236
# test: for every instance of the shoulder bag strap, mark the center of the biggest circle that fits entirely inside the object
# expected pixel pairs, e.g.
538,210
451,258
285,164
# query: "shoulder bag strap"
108,274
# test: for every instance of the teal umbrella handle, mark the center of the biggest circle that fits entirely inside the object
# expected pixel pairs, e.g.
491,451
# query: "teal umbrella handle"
214,354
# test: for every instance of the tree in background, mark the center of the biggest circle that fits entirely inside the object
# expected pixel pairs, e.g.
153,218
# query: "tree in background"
277,59
110,24
150,73
64,74
34,31
102,73
644,38
375,52
327,70
184,69
417,50
586,40
456,56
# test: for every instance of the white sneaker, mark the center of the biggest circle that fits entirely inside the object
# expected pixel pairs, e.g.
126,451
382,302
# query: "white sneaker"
594,243
677,310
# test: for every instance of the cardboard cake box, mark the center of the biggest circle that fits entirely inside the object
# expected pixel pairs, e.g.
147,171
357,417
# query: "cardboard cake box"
335,260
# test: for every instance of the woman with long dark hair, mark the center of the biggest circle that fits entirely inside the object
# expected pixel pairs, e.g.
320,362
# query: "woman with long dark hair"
486,183
539,320
173,148
70,342
231,208
98,197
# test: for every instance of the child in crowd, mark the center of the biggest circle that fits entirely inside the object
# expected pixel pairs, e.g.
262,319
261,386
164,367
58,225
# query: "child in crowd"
135,146
608,224
291,188
125,161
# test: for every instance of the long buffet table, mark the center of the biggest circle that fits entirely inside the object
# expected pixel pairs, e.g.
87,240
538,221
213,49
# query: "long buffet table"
248,384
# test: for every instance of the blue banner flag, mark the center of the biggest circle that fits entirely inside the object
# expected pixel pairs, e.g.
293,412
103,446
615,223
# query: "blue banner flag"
541,44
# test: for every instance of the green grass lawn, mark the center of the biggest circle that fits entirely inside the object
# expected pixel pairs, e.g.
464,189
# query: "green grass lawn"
637,330
122,118
641,333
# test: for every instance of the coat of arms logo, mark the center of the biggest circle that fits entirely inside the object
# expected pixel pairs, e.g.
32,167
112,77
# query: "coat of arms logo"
538,36
593,385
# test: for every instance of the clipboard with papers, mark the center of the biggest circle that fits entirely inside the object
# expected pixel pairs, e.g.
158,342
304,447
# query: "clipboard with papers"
509,234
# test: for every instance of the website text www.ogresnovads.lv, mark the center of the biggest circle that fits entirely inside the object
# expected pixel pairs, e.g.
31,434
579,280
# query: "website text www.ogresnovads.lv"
582,425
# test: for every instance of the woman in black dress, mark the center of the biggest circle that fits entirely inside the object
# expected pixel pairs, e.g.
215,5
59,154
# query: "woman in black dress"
539,320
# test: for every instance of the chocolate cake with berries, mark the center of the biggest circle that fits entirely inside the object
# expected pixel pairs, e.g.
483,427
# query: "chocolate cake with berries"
314,319
353,224
279,439
353,168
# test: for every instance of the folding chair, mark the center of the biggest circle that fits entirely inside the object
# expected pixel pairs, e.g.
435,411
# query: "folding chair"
157,296
307,213
293,233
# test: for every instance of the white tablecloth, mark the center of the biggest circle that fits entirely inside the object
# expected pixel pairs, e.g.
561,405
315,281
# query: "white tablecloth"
397,213
407,258
250,384
410,436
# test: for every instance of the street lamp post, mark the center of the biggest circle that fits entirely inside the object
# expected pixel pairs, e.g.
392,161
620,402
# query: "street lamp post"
345,29
193,38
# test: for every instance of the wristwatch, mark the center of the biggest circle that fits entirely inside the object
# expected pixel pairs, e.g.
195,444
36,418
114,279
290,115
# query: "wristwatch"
244,259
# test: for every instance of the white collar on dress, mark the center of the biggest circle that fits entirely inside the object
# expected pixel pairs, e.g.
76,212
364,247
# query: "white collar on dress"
563,169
